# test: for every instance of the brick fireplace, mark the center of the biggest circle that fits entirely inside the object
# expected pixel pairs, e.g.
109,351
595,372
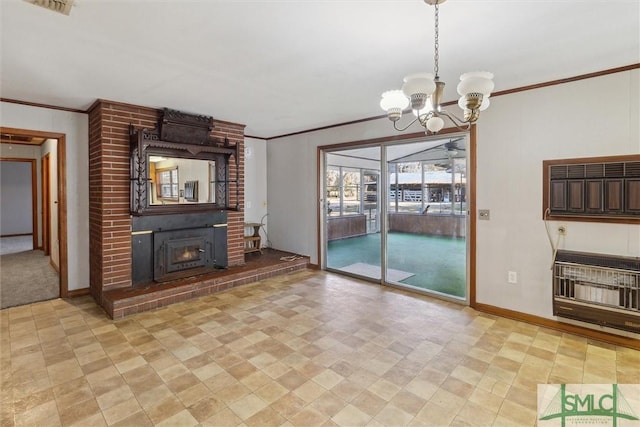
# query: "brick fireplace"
110,220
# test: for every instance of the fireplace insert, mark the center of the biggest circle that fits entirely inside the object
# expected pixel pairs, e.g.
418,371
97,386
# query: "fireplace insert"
171,247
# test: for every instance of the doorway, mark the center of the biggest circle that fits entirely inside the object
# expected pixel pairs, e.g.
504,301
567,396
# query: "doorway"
49,149
397,213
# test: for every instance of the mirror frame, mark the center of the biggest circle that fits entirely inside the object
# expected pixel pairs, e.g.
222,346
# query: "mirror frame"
146,142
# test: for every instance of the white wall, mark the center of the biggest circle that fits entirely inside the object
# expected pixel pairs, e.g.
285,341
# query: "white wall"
515,135
594,117
15,192
255,184
75,127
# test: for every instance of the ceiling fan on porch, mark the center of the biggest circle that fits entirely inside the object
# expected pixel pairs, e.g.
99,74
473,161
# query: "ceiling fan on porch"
453,148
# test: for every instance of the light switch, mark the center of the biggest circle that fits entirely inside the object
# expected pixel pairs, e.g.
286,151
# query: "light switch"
484,214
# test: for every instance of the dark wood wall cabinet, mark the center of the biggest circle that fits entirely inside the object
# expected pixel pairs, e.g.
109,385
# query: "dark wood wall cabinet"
604,189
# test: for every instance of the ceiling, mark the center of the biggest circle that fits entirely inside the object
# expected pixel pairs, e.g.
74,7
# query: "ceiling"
288,66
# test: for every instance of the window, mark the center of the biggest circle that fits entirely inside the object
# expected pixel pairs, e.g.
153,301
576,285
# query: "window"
167,183
428,188
344,193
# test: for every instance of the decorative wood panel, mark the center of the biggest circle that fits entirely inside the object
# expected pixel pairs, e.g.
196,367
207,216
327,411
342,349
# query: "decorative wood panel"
613,195
604,189
594,196
633,195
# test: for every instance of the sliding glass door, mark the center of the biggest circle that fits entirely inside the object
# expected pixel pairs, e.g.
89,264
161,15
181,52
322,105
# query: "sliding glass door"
352,205
397,213
426,248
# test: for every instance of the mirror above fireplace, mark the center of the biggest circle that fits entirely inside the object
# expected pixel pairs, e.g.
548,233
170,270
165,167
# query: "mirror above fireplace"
178,168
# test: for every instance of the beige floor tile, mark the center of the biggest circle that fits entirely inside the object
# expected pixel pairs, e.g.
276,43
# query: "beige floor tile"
182,419
351,416
386,390
309,391
44,414
77,413
391,415
206,407
368,403
137,419
271,392
328,404
247,406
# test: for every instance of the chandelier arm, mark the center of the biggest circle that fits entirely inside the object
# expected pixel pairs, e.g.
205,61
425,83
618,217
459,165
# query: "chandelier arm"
395,125
457,121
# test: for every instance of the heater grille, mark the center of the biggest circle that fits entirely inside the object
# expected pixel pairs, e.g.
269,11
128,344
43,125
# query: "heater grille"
60,6
599,289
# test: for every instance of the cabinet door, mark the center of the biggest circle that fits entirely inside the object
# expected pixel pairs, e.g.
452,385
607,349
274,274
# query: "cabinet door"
558,196
632,196
613,196
575,196
594,196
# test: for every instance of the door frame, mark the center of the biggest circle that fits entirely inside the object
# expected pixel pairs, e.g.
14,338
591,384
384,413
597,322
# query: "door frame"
62,197
471,184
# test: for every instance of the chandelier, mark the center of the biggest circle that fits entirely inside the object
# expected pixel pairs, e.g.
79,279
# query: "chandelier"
423,91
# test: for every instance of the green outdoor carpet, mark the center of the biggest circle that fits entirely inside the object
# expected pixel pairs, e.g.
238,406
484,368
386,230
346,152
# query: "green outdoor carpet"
437,263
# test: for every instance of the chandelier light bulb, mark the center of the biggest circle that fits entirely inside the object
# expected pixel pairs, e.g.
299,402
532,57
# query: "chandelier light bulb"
418,87
394,99
435,124
476,82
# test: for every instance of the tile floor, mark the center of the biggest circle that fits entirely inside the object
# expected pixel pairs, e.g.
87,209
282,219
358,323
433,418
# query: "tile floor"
307,349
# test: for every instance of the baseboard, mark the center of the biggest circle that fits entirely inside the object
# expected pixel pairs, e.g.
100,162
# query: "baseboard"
55,267
78,293
559,326
313,266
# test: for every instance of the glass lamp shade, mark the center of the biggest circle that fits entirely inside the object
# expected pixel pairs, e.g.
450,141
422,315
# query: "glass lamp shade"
419,83
435,124
462,103
476,82
394,99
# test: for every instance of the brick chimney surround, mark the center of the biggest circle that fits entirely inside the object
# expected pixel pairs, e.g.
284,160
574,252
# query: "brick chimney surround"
110,220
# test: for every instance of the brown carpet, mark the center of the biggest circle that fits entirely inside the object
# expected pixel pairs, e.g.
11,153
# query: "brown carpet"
27,277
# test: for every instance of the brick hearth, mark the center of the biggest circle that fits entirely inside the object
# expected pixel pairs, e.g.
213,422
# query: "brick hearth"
122,302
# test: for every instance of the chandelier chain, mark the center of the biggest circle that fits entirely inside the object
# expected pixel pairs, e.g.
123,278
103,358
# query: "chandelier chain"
436,54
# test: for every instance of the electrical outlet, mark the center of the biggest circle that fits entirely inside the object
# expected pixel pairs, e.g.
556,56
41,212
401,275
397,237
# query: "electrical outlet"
562,230
513,277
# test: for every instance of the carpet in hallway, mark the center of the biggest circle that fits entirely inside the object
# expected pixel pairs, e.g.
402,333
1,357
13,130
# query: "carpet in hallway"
27,277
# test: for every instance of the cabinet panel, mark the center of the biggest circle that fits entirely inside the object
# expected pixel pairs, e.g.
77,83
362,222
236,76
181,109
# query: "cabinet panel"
633,195
575,193
594,196
559,196
613,195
